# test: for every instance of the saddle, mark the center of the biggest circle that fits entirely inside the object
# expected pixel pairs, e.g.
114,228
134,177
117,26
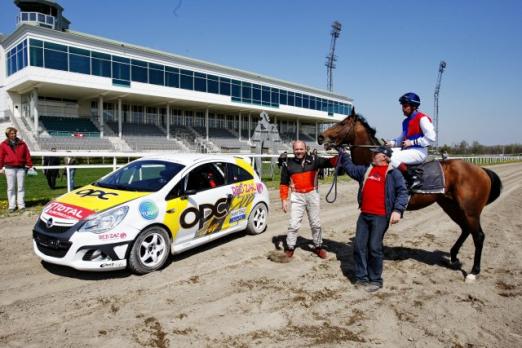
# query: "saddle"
426,177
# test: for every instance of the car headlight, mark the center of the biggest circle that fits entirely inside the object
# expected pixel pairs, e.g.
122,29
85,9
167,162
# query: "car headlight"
103,222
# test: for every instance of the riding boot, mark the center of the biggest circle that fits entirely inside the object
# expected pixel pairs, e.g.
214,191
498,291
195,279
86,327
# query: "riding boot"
415,178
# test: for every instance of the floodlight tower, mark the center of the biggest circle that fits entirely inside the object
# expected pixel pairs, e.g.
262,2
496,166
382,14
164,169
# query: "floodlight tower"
331,58
442,66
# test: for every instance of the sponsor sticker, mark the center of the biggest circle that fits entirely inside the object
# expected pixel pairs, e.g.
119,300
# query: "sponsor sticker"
148,210
119,263
110,236
243,188
237,215
259,187
67,211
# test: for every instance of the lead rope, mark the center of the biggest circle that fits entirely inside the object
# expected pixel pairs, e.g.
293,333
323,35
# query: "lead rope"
334,181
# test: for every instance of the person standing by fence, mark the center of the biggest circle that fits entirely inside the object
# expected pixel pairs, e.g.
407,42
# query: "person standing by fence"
51,174
15,158
70,161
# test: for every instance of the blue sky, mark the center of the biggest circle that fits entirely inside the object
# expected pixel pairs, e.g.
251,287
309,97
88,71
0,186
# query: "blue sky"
386,48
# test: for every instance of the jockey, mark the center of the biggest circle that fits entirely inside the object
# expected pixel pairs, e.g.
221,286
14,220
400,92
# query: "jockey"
417,134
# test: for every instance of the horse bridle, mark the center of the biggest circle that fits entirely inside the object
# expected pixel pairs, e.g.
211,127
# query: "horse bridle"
352,130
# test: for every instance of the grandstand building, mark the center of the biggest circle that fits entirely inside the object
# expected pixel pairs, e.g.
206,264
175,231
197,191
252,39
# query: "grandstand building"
76,91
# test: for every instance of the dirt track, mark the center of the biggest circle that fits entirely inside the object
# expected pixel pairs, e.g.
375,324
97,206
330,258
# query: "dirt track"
230,294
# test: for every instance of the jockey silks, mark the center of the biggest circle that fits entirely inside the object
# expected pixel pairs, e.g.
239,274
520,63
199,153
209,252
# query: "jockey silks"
412,129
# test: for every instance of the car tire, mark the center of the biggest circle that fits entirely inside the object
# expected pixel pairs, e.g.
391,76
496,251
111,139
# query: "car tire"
150,250
257,221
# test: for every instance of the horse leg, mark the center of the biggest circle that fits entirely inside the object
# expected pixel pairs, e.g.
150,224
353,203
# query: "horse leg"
451,208
478,240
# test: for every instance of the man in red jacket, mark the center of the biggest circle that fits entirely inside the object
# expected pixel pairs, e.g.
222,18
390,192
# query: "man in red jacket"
14,159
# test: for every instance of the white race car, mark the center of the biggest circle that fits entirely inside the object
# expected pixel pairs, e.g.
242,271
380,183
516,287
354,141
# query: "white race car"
149,208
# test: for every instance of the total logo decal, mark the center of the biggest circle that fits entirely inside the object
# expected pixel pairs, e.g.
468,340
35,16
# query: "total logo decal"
148,210
67,211
109,236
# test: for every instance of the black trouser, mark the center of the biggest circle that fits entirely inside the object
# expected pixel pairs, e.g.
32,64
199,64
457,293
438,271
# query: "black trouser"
51,178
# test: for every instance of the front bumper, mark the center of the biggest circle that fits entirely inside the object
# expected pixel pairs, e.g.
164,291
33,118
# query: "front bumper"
81,251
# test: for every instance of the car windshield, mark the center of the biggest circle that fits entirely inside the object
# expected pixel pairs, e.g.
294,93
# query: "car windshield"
147,175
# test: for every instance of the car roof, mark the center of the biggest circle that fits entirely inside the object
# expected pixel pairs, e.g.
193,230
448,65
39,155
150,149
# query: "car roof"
188,159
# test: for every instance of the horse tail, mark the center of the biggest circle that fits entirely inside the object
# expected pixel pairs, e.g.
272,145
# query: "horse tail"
496,185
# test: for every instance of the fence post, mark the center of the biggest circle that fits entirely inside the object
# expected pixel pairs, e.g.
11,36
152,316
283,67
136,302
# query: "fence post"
68,171
114,163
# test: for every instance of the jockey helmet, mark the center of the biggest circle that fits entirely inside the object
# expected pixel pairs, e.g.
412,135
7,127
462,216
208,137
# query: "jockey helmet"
410,98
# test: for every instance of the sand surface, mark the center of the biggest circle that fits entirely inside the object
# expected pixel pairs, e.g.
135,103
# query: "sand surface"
228,294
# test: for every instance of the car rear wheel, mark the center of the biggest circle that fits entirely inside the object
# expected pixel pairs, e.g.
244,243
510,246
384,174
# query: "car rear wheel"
257,221
150,250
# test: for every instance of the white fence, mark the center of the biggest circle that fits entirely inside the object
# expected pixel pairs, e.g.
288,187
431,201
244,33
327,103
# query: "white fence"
112,158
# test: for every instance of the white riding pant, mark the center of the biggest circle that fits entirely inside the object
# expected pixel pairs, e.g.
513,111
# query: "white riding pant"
15,177
301,202
413,155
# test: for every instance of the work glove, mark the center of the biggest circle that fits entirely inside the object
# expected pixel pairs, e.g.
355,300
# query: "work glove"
282,159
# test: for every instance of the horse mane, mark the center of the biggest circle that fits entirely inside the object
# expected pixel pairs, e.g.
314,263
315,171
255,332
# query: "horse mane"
370,129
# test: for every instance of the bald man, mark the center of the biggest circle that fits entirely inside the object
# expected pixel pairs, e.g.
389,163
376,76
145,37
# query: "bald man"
301,171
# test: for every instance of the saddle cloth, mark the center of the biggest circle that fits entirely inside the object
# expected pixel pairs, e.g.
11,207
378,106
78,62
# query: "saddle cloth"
432,177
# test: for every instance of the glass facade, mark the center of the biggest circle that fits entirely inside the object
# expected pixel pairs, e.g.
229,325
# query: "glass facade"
124,70
16,58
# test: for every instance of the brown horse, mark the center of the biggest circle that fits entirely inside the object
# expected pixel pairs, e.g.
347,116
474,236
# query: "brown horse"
469,188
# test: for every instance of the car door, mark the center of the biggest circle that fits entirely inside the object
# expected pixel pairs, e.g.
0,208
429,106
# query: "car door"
199,204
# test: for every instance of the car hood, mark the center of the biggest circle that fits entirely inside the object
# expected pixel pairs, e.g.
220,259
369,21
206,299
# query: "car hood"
83,202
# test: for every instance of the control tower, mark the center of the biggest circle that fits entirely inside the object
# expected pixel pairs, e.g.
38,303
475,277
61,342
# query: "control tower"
43,13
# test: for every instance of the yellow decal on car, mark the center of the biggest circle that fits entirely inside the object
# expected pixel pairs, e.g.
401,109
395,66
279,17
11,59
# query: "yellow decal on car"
98,198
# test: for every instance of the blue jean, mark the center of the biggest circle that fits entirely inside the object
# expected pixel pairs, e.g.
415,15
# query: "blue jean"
368,249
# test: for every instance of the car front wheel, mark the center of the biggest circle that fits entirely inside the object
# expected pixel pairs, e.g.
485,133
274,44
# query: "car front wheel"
150,250
257,221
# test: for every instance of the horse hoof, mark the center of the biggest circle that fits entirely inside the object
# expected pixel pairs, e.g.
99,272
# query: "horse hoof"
470,278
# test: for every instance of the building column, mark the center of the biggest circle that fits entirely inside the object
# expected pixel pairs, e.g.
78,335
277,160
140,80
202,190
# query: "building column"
249,125
316,130
34,110
100,114
206,122
297,126
120,118
239,117
168,120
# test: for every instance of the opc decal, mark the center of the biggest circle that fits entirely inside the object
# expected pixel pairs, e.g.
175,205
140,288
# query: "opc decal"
95,193
243,188
67,211
148,210
219,210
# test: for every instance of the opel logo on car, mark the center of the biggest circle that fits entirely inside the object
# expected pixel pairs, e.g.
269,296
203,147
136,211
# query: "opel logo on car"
49,223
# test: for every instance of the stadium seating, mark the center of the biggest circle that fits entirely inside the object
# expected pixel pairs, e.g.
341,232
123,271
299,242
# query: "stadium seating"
75,143
224,138
67,126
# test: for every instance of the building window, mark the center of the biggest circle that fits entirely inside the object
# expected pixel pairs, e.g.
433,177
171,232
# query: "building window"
224,86
212,84
139,71
156,74
55,56
200,82
101,64
171,77
79,60
186,79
